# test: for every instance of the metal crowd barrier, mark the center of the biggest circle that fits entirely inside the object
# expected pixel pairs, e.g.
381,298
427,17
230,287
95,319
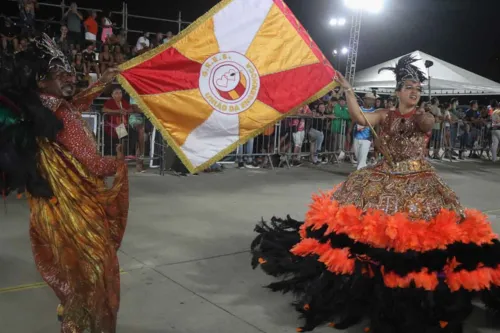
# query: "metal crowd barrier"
284,144
461,137
292,140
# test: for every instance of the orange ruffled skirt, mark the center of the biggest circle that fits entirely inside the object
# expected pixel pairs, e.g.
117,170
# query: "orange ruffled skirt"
345,263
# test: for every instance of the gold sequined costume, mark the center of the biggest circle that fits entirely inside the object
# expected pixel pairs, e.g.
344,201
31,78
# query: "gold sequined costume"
391,243
76,235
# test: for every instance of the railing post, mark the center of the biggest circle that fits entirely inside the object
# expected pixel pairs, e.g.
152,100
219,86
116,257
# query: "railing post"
180,21
63,6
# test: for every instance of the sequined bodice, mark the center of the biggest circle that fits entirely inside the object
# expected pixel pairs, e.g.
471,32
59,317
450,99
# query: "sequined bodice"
403,139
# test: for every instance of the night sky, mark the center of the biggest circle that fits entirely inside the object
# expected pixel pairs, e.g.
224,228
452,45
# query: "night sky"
465,33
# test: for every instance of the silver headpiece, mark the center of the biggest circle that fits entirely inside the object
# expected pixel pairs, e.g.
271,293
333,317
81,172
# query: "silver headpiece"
53,54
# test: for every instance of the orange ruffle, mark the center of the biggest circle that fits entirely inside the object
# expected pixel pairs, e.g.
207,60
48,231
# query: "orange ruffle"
479,279
398,232
339,261
336,260
422,279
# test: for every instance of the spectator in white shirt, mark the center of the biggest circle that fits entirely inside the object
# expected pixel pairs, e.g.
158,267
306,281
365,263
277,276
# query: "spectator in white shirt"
143,42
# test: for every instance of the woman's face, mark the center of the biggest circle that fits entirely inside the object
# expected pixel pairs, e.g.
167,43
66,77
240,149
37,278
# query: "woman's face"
410,93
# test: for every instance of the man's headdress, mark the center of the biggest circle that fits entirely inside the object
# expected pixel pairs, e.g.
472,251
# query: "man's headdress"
47,50
405,70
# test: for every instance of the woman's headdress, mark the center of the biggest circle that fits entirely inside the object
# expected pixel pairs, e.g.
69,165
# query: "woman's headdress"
405,70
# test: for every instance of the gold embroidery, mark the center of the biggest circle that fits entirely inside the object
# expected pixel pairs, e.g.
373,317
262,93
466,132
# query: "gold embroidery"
412,186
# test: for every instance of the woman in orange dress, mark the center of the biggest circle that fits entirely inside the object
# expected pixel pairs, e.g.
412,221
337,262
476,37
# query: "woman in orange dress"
392,243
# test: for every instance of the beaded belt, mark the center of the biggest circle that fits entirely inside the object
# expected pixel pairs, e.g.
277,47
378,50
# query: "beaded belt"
405,167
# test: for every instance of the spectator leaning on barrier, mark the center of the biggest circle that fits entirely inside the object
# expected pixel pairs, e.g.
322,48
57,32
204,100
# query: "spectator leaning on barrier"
340,125
298,127
495,131
74,22
91,27
363,135
436,130
118,110
315,133
473,116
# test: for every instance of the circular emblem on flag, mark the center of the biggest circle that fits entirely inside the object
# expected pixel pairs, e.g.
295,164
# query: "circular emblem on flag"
229,82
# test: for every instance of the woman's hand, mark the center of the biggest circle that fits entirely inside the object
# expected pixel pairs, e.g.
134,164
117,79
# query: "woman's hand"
342,81
119,153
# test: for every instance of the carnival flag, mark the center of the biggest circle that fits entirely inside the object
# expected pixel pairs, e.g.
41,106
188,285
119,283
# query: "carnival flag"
239,68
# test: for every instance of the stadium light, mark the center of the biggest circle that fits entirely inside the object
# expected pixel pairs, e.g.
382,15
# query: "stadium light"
335,52
345,50
338,22
374,6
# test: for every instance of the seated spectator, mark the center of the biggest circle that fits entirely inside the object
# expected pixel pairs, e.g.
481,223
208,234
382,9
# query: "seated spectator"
105,58
107,27
122,38
90,60
127,52
91,27
74,23
168,37
80,70
158,40
8,35
143,43
118,56
23,44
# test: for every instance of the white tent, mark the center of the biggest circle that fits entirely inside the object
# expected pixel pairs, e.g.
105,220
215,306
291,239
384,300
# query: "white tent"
446,79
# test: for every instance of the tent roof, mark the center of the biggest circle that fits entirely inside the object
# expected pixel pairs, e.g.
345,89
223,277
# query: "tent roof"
446,79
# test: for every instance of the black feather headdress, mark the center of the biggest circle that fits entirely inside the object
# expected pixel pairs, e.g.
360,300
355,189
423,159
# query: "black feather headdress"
405,70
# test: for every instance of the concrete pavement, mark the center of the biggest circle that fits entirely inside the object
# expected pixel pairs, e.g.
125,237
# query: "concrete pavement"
185,253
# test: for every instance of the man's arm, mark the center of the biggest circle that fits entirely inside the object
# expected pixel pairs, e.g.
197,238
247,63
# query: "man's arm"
84,99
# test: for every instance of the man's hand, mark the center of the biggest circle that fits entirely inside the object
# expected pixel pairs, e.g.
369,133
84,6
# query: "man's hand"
110,74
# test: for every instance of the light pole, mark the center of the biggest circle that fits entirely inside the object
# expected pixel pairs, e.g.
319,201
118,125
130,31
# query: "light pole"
358,6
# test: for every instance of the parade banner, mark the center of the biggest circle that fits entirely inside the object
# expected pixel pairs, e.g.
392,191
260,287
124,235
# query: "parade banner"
239,68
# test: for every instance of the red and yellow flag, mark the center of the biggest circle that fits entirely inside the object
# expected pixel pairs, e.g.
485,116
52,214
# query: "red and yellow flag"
240,67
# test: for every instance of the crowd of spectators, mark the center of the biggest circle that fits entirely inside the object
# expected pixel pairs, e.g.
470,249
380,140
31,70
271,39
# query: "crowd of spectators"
91,40
322,132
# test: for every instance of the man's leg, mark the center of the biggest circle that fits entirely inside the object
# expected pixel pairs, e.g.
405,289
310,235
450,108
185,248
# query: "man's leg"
364,149
495,139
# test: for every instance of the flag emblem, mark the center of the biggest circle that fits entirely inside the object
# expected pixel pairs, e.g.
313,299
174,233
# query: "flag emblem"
239,68
229,82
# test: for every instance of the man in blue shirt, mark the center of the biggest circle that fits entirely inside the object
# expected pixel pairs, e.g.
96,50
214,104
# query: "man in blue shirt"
363,135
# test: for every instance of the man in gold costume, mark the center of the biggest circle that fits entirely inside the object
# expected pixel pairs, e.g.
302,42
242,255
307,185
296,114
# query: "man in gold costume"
77,228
